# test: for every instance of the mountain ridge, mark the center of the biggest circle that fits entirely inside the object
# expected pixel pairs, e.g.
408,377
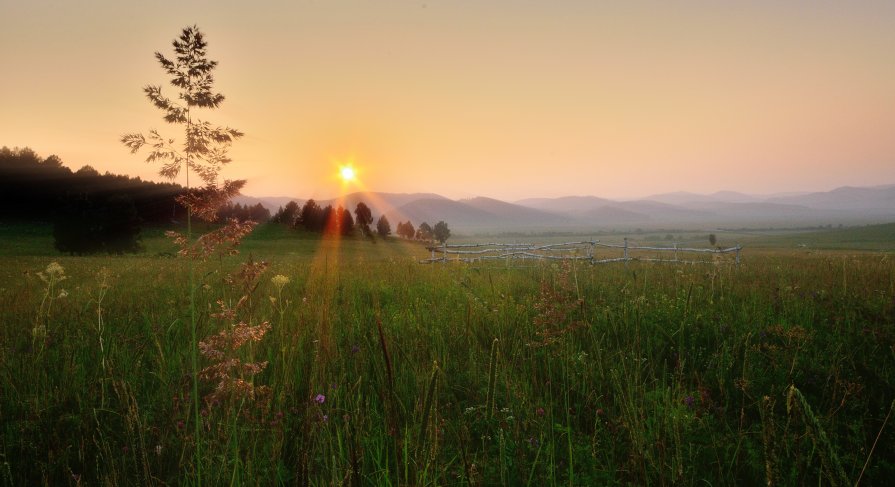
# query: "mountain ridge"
845,204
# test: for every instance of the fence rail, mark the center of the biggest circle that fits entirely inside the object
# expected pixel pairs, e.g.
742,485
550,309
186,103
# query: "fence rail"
583,250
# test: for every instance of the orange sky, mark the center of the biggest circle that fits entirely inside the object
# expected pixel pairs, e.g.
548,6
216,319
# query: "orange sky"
468,98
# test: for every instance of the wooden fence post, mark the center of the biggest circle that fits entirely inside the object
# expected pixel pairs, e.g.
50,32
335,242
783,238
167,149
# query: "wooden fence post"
626,251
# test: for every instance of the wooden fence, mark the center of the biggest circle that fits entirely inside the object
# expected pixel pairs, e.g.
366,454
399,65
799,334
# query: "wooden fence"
584,251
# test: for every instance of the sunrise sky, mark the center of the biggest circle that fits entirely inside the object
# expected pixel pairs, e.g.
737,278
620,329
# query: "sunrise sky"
477,98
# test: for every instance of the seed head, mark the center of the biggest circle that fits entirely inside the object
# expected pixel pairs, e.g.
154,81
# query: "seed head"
279,281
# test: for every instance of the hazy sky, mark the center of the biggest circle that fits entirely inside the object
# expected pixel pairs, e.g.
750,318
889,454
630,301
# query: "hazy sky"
468,98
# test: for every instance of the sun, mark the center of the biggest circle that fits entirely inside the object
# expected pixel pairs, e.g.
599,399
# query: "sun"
347,173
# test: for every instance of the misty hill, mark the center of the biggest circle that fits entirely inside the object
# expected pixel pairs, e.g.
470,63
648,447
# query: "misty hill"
684,198
874,200
516,214
456,213
476,214
566,204
670,210
380,203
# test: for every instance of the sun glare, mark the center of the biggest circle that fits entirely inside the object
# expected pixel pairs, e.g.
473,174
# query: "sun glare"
347,173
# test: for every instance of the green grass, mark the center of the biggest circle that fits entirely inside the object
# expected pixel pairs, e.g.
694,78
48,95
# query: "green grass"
645,374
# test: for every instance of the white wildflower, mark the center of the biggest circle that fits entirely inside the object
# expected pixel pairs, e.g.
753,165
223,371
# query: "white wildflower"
279,281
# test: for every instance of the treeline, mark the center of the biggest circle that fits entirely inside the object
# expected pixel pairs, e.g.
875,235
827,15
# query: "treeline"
339,221
257,213
93,212
37,189
425,232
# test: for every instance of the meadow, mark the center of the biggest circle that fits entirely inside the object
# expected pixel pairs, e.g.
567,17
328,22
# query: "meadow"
376,370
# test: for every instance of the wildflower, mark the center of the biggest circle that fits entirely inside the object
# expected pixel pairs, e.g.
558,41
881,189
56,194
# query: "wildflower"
325,418
56,271
354,349
320,399
689,401
540,411
279,281
63,293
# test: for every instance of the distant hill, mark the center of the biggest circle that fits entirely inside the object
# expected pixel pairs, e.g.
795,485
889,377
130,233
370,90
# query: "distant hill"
683,198
566,204
456,213
516,214
874,200
380,203
729,209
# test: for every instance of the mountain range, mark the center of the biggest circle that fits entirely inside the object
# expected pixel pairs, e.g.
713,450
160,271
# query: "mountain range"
845,205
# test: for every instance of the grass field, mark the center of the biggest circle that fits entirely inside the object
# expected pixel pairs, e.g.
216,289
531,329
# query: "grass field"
377,370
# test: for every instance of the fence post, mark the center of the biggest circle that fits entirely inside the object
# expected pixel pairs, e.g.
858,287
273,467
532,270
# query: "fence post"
444,252
738,257
675,251
432,249
626,251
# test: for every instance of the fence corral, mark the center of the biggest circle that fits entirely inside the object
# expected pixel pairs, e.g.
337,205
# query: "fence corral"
584,250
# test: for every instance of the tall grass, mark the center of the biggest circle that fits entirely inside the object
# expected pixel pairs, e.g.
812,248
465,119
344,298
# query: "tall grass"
650,374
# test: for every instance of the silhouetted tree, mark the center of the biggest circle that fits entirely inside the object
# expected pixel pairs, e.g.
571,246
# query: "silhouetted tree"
441,232
259,213
406,230
76,229
288,215
364,217
120,226
347,222
424,232
311,216
87,226
382,227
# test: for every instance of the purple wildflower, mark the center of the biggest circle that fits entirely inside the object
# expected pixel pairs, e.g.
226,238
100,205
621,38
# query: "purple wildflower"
689,400
320,399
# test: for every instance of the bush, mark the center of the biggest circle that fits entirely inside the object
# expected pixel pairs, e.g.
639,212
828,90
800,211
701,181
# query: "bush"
85,225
